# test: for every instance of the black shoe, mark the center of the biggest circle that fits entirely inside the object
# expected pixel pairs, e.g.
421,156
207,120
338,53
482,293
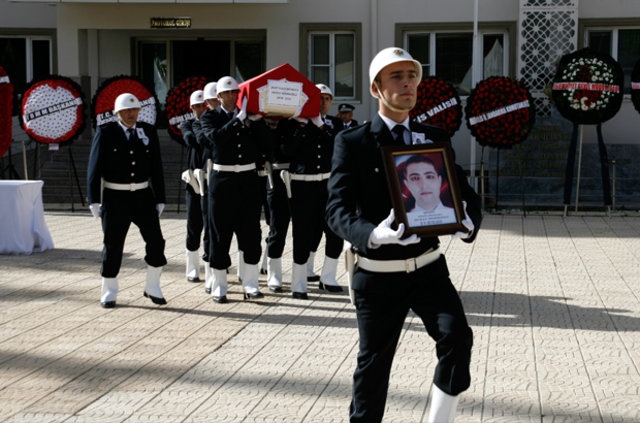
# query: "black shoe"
220,300
300,295
108,304
193,279
253,295
313,278
155,300
275,289
330,288
207,290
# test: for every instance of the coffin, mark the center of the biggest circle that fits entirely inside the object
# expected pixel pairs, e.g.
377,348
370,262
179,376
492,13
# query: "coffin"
281,92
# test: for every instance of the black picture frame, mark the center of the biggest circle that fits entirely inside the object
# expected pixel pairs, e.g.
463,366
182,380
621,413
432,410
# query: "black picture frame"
421,170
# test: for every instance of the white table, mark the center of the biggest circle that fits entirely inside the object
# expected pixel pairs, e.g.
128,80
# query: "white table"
23,229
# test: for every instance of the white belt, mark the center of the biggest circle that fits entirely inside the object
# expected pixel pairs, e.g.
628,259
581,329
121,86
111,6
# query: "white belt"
126,187
280,166
234,168
390,266
304,177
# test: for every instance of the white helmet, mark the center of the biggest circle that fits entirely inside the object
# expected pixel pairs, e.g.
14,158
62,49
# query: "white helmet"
227,83
197,97
388,56
210,91
126,101
324,89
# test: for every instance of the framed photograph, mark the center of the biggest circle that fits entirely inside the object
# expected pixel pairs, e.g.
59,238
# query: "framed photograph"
424,189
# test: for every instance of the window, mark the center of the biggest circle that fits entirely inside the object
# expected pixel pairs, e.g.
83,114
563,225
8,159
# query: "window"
449,55
25,58
332,58
622,44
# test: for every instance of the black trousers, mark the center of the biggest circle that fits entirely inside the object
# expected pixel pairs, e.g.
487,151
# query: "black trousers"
381,313
279,216
308,204
119,210
206,227
194,219
234,207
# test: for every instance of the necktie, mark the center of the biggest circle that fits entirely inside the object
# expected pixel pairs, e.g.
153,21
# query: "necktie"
131,134
398,132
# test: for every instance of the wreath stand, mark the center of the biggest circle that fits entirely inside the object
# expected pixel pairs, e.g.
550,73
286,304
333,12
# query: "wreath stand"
75,173
577,138
11,168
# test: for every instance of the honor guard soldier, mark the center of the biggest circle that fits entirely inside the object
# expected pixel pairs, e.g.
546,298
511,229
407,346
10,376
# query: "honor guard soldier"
192,195
278,206
210,95
235,205
125,185
309,144
346,114
330,125
394,274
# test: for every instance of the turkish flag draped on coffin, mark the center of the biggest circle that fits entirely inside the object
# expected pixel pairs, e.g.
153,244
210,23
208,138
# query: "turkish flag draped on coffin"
281,92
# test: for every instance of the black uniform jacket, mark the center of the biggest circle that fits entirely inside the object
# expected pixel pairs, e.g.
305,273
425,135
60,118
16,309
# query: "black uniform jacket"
190,140
359,197
231,142
309,147
118,160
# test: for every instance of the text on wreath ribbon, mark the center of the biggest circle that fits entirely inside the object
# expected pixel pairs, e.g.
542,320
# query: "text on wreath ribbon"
498,112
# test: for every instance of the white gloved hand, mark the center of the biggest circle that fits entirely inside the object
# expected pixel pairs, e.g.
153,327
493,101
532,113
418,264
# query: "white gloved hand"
384,234
254,117
467,222
242,114
301,119
318,121
95,210
160,208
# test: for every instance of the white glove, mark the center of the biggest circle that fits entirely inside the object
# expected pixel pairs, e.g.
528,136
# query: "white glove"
318,121
301,119
242,114
467,222
160,208
95,210
254,117
383,234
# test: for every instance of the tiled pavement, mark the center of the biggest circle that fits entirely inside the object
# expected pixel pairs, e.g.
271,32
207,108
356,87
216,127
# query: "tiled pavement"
554,303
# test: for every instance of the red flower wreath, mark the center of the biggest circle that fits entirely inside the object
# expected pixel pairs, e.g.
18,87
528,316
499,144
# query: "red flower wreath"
177,106
53,110
6,104
587,87
438,104
105,97
500,112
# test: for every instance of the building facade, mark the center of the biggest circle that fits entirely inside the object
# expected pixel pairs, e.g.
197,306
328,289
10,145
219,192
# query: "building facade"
332,42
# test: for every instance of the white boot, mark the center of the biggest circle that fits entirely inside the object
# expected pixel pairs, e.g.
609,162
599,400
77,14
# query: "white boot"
328,275
443,406
274,274
241,265
250,282
311,276
152,287
109,292
193,266
208,278
219,285
299,281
